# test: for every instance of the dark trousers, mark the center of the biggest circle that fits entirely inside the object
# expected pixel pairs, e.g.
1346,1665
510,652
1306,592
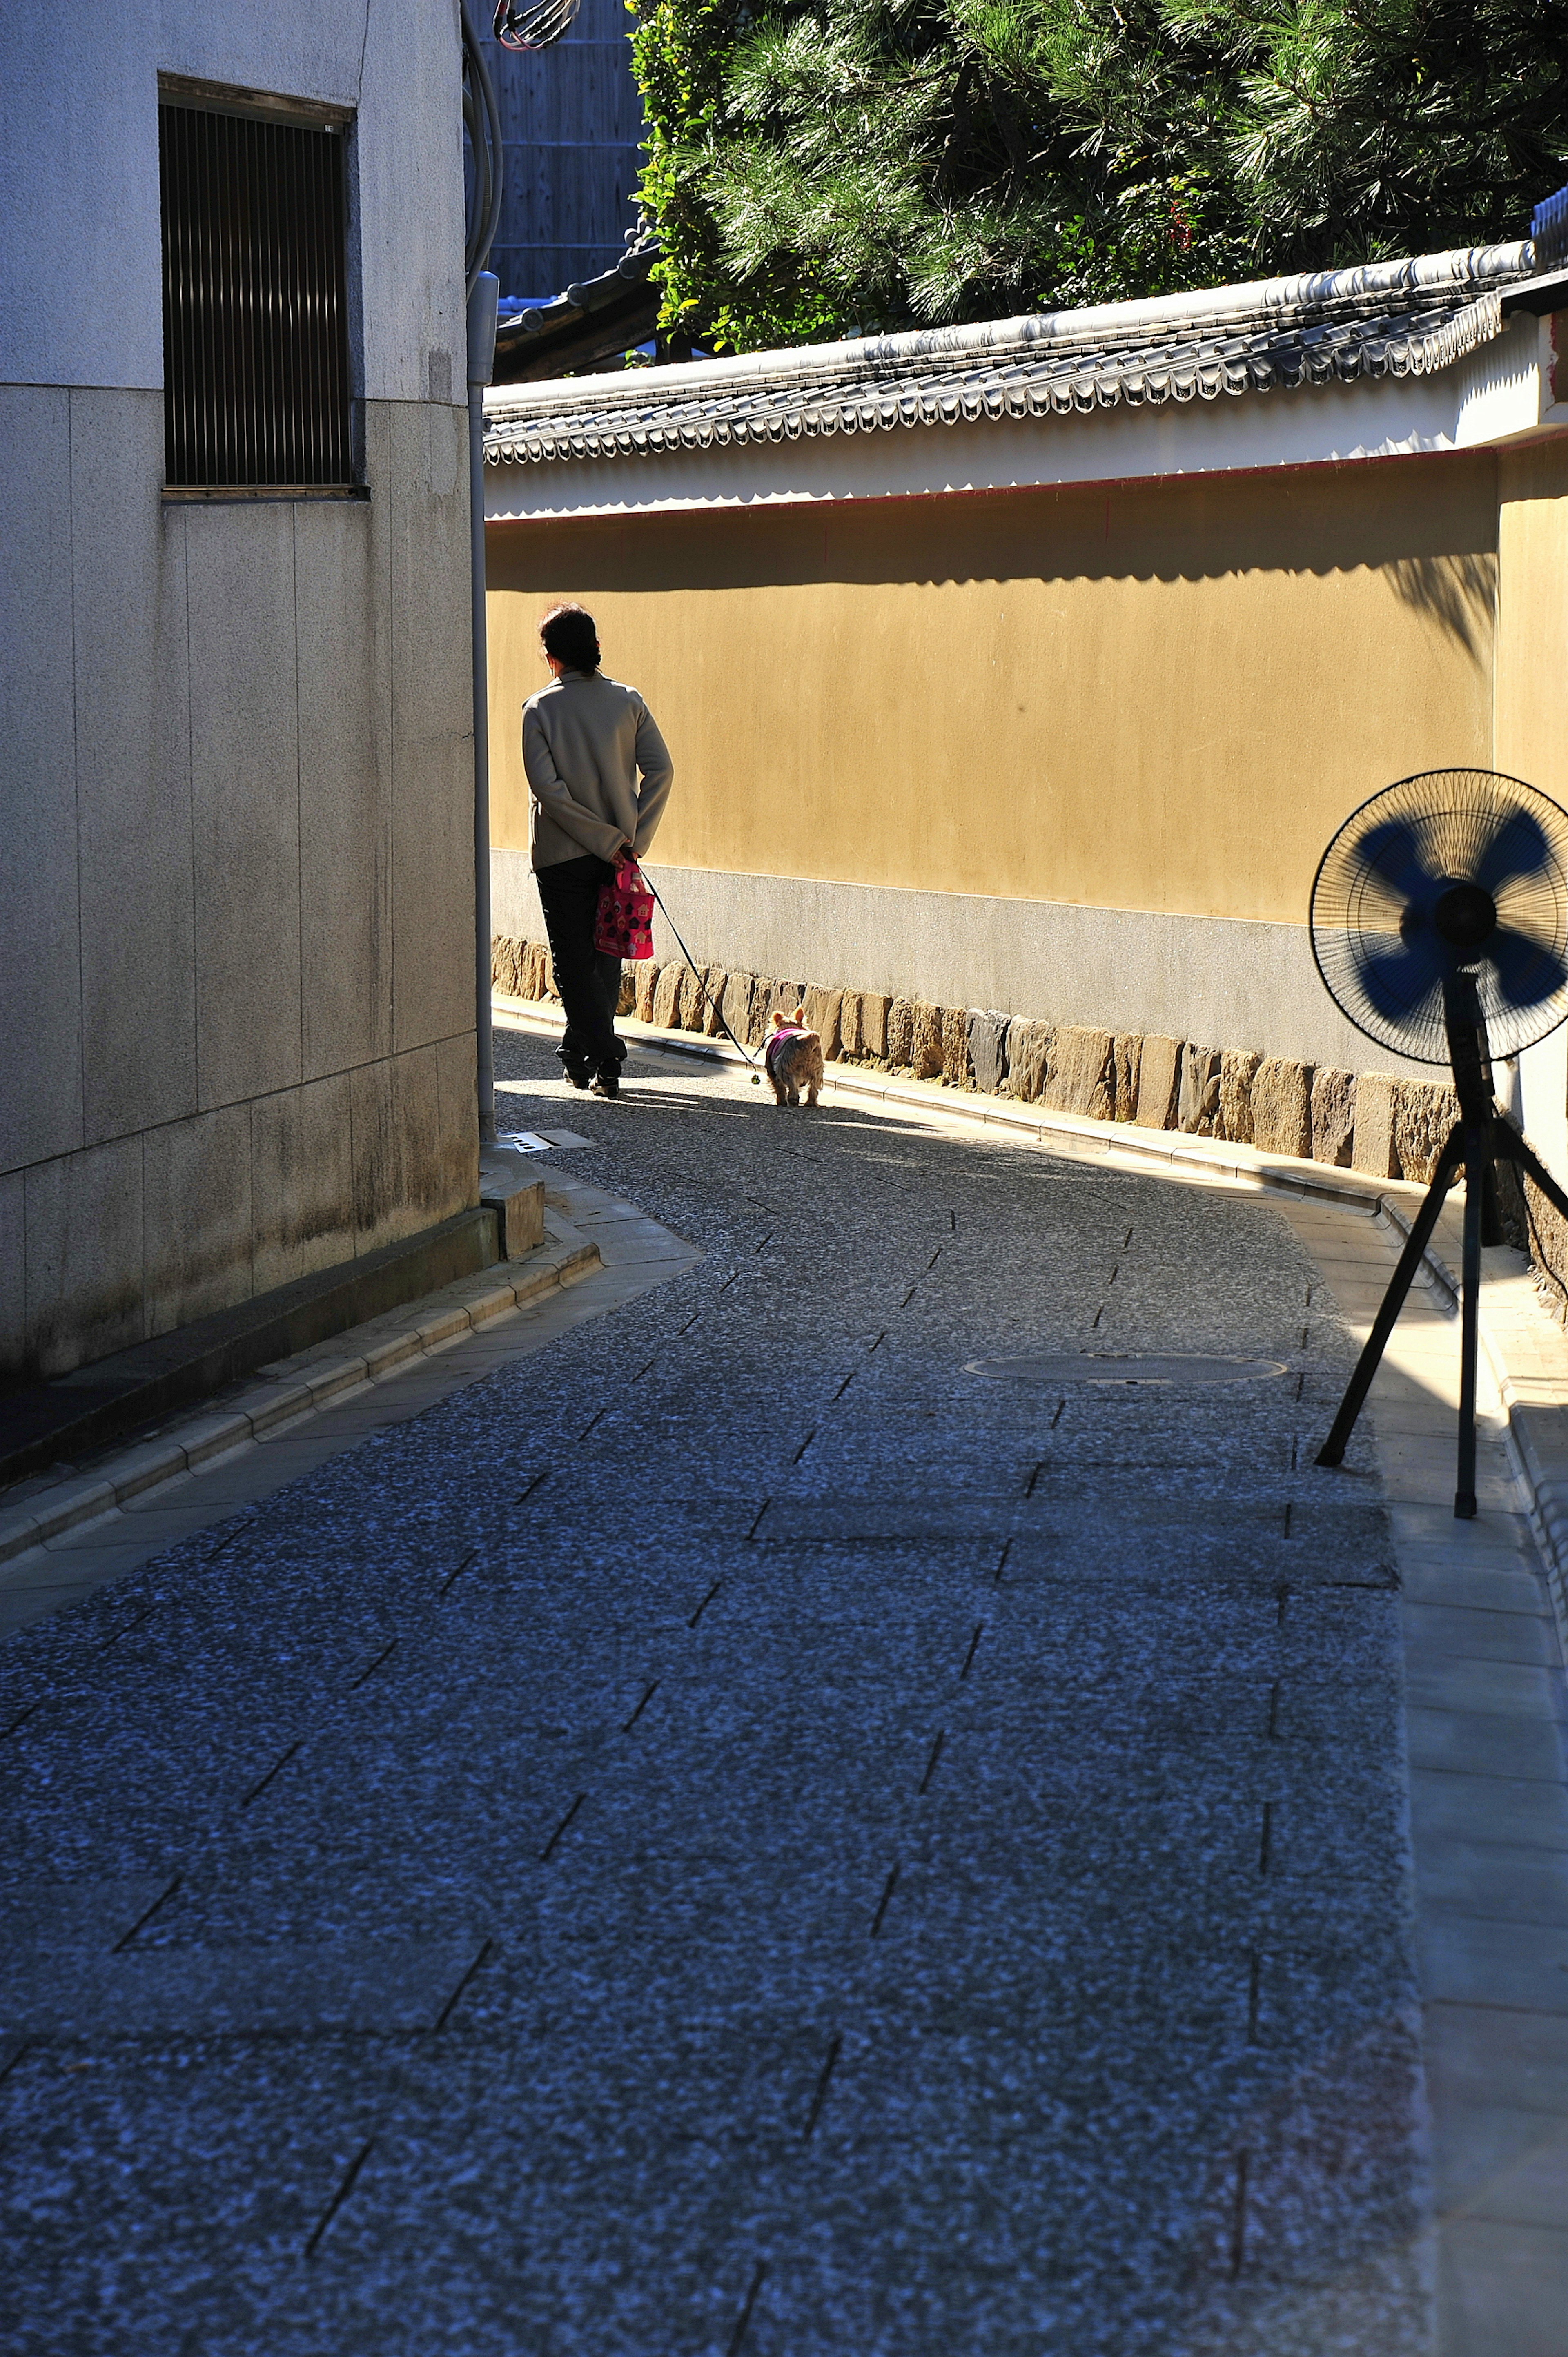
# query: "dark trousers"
588,982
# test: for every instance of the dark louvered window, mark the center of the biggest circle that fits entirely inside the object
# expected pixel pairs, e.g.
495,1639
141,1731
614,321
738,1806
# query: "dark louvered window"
255,305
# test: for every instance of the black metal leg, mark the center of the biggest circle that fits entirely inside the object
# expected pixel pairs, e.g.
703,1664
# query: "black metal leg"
1333,1449
1477,1154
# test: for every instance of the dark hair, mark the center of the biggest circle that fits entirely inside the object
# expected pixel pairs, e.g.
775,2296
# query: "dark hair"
568,634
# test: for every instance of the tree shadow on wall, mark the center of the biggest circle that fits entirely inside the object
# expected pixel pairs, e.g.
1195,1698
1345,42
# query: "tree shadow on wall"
1459,593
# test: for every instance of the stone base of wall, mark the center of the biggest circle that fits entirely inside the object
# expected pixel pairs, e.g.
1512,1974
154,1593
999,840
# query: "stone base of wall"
1378,1123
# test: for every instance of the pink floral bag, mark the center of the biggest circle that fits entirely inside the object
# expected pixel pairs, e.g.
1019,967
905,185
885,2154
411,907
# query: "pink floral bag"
624,926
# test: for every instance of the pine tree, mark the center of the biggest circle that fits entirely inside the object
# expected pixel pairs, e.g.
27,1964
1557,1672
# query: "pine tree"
825,166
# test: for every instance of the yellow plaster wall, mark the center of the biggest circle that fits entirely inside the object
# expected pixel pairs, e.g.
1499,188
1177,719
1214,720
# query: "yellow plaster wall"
1163,697
1532,734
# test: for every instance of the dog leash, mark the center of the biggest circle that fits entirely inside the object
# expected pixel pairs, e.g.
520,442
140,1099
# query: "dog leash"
706,999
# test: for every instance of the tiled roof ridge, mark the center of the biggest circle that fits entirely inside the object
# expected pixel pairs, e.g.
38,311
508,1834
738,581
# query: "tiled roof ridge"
1398,317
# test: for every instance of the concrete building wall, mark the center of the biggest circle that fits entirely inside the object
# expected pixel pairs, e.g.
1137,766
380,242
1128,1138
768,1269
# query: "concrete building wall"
236,863
1073,752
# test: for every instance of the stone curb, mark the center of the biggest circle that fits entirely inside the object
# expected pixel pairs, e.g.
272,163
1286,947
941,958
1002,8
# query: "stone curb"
1218,1158
1537,1405
299,1386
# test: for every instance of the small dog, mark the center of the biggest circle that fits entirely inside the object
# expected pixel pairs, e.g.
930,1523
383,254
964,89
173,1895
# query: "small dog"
794,1059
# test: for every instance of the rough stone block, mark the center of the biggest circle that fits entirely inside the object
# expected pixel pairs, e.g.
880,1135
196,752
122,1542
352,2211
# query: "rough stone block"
715,979
667,997
1159,1077
1082,1077
1198,1092
646,984
988,1049
1238,1070
1282,1107
1372,1146
1129,1057
734,1004
957,1070
696,1006
926,1041
1028,1059
900,1032
824,1014
536,975
849,1026
762,990
626,1000
506,958
876,1012
688,1003
1425,1113
1333,1116
1548,1248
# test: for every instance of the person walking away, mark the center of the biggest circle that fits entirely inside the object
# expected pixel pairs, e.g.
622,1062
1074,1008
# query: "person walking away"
600,775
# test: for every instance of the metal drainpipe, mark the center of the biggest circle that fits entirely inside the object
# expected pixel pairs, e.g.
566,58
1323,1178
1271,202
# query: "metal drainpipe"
481,366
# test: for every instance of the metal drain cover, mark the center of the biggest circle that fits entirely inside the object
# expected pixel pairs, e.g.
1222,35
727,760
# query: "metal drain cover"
1106,1367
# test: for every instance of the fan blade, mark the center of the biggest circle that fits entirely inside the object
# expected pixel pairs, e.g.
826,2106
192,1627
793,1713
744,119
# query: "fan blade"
1393,853
1527,971
1397,981
1516,846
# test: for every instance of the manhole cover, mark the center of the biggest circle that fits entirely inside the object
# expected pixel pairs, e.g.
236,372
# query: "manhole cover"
1106,1367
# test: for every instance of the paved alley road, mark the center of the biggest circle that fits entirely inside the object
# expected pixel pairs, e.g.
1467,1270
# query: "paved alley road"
737,1836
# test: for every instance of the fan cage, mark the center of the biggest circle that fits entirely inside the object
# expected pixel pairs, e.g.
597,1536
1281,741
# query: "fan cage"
1455,815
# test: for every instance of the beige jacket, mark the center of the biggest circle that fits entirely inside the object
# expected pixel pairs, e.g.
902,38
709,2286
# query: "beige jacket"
584,739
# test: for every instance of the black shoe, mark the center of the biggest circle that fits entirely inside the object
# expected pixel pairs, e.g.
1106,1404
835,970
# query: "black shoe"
577,1073
607,1083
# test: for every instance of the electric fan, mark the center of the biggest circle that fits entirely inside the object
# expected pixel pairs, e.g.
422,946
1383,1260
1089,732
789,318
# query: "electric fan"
1439,922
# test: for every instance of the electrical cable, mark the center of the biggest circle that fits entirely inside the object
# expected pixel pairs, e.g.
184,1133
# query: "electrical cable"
482,119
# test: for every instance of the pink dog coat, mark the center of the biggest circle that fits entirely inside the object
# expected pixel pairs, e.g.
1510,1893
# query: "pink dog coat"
781,1039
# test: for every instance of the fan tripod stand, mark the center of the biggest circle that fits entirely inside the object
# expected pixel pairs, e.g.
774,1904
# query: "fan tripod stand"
1479,1137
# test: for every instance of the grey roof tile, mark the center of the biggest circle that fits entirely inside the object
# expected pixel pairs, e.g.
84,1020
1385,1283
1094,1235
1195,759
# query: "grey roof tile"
1387,319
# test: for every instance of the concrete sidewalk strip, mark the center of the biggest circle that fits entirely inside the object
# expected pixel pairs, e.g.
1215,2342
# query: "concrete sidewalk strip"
1486,1712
